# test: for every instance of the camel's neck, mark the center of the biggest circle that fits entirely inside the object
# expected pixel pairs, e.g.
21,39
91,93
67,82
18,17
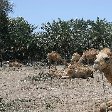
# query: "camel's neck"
107,70
64,61
108,73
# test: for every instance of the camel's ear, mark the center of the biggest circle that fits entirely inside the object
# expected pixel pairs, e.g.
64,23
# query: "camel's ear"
110,54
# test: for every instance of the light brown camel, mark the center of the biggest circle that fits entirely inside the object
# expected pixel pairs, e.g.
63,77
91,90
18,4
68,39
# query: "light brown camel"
77,70
15,63
55,57
75,58
73,71
103,63
89,56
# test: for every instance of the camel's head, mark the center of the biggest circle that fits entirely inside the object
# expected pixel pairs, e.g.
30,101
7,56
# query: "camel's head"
102,61
75,57
69,72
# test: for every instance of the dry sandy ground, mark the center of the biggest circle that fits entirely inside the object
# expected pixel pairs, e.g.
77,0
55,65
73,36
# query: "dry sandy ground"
29,90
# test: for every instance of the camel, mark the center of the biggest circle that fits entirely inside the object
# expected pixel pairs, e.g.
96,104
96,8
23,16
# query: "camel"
88,56
73,71
103,63
54,72
14,63
75,58
55,57
77,70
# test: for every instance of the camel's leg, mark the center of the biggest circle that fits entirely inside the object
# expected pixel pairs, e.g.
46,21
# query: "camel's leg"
49,63
55,64
103,107
107,106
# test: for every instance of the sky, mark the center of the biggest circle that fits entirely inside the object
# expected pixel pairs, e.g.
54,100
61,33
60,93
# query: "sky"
37,12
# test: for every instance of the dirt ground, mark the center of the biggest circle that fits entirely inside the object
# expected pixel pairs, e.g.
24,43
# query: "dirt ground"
30,89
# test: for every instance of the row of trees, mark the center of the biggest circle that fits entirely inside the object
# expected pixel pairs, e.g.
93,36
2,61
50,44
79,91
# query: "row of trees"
77,35
18,38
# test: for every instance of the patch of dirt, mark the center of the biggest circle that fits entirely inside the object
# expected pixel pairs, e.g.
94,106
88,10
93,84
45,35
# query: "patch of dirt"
31,89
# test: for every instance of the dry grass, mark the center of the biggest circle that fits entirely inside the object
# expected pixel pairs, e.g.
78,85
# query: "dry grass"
33,90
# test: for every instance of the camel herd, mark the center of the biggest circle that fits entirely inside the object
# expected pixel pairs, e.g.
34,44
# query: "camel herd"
80,66
102,61
76,68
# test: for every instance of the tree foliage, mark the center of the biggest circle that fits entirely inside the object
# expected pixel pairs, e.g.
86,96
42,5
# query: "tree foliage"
65,37
5,8
77,35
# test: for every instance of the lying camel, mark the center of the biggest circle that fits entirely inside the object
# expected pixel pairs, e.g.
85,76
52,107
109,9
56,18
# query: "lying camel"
56,73
75,58
14,63
103,63
78,71
55,57
88,56
73,71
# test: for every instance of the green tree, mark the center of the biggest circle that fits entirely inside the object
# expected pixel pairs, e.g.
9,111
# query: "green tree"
20,35
5,8
76,35
101,33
